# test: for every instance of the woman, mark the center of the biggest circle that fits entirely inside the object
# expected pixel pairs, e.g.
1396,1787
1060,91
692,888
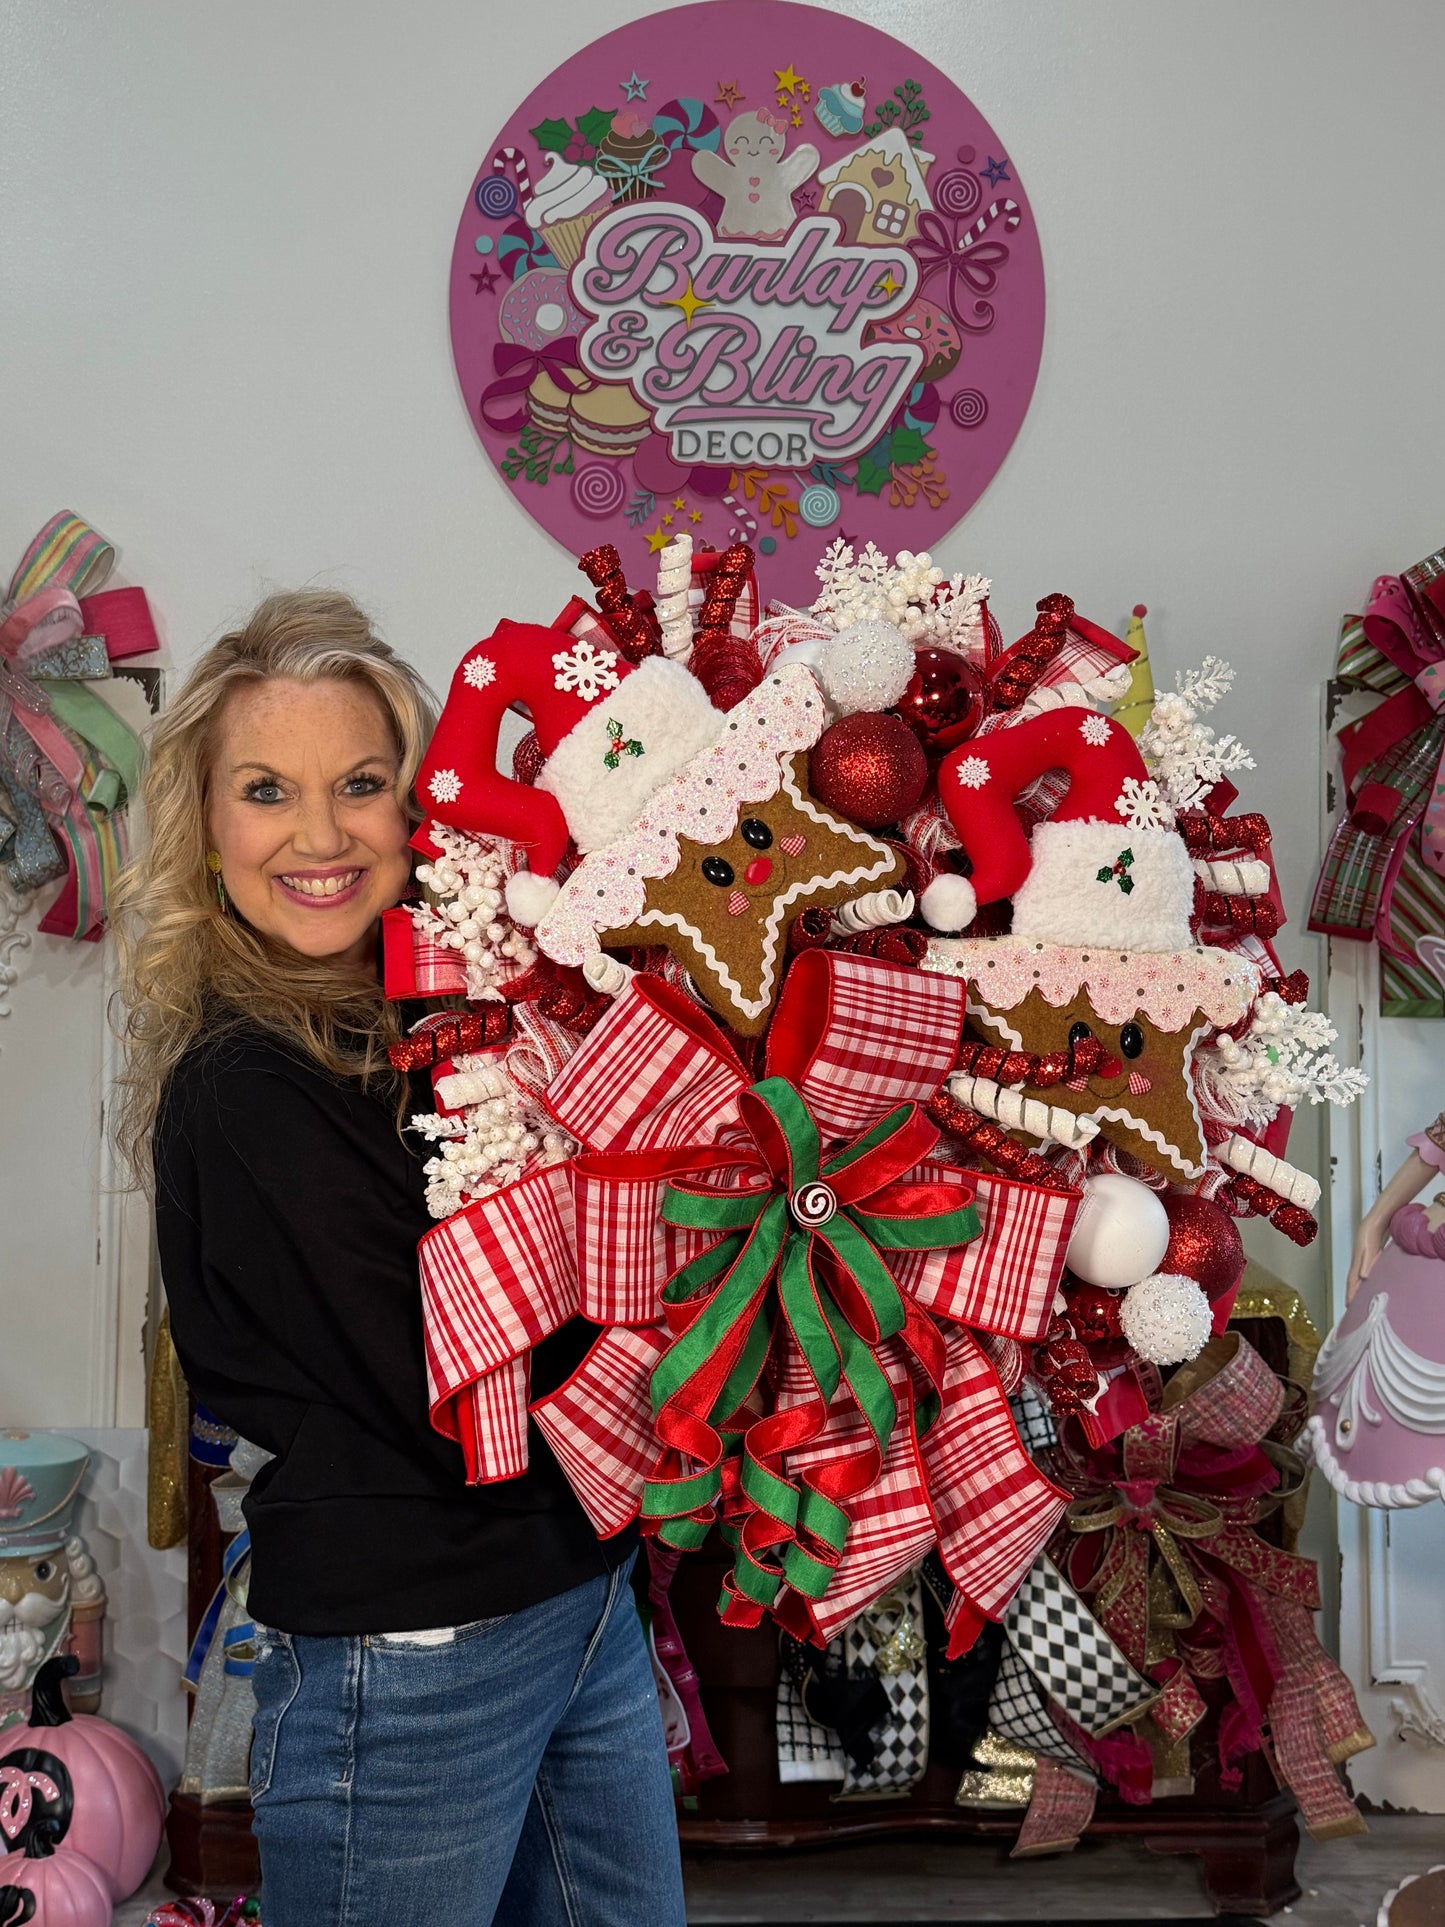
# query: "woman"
455,1708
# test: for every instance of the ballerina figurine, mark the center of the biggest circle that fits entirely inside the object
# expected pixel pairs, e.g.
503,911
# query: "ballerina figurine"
1378,1434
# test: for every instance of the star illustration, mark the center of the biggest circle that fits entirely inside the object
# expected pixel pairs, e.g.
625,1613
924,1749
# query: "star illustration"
729,93
805,199
996,170
888,287
688,302
797,117
633,88
657,541
843,536
787,80
667,521
678,502
485,279
696,516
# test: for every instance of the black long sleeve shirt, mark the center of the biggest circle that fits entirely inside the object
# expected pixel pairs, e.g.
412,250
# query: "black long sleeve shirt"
288,1210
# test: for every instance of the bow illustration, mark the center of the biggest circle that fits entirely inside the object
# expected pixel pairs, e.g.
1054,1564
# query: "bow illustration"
971,263
517,368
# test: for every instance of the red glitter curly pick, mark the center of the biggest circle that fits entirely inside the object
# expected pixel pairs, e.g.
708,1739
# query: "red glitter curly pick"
629,619
1016,672
727,667
450,1034
1235,916
989,1141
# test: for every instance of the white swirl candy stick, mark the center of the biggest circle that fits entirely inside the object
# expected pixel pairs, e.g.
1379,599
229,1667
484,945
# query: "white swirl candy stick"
874,911
674,582
1244,1155
1049,1122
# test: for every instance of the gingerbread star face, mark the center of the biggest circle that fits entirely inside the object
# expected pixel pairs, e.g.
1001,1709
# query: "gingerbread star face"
1148,1108
726,909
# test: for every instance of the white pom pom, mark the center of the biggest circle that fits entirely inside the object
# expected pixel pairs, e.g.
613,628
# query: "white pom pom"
1120,1234
529,897
865,667
948,903
1166,1318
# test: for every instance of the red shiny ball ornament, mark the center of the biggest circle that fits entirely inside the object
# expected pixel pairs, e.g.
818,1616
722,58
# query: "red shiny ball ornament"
869,768
944,702
1204,1243
527,758
1093,1312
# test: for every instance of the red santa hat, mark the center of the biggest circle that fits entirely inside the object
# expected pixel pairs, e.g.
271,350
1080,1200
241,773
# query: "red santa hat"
1106,869
611,732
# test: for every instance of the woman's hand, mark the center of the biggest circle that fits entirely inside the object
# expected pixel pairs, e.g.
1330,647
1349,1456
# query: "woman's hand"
1370,1238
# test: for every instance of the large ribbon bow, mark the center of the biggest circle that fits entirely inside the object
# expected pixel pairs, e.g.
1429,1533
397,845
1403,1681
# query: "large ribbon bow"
517,368
1393,758
782,1274
970,263
1167,1547
67,760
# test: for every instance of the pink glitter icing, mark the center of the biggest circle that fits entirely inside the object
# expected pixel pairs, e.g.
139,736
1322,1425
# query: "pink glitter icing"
608,889
1168,986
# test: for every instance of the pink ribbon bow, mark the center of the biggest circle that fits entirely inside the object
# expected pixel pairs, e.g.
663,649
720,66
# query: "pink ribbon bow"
971,263
517,368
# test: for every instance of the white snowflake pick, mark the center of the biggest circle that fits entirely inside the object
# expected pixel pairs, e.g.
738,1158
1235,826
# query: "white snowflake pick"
585,669
479,671
445,785
1095,730
1143,806
973,772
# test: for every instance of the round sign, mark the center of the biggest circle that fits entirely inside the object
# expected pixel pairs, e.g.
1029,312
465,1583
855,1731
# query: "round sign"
747,271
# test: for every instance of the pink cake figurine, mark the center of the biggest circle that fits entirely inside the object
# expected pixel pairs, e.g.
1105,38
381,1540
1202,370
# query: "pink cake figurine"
1379,1431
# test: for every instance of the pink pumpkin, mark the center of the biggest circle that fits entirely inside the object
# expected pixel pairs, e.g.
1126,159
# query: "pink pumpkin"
117,1808
52,1887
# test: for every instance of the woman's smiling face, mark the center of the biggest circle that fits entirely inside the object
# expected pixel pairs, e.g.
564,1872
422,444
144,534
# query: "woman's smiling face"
305,813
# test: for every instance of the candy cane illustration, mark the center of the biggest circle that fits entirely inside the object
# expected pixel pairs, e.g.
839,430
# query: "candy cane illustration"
1008,212
745,521
511,160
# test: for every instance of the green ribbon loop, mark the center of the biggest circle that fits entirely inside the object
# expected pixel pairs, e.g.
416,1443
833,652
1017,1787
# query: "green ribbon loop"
813,1273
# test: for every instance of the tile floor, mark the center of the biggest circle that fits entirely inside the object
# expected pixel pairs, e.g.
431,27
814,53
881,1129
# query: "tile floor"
1344,1882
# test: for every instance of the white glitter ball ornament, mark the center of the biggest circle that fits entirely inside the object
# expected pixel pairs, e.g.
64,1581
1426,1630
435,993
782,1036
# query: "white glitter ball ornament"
1166,1318
865,667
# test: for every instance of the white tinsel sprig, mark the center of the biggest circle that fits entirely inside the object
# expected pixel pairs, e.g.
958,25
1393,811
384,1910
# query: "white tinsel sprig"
1186,756
922,603
466,910
490,1144
1282,1059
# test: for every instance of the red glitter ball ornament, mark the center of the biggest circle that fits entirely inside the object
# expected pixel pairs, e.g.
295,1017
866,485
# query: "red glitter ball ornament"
944,702
527,758
1204,1243
1094,1313
868,767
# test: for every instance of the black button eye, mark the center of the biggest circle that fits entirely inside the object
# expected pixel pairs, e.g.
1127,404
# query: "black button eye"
1079,1034
44,1570
1131,1040
756,833
717,870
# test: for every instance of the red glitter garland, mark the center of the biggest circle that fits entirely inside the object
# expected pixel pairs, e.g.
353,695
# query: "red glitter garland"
628,618
1207,835
1018,671
727,668
1087,1058
1248,1198
450,1034
1236,916
989,1141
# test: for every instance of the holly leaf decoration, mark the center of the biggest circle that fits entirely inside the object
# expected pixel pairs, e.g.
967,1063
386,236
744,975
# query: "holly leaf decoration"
874,465
905,447
552,136
595,125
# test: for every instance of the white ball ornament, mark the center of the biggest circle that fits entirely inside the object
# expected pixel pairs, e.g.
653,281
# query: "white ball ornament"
1166,1318
1120,1234
865,667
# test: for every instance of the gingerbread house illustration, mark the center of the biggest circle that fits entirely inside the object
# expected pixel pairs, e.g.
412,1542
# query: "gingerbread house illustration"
878,191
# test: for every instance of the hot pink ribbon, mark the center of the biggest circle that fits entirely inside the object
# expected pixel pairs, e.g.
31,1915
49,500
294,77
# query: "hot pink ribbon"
517,368
1407,631
972,268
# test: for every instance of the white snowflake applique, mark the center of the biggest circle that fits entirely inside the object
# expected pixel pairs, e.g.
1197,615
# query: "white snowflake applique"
1142,805
1095,730
585,669
479,672
445,785
973,772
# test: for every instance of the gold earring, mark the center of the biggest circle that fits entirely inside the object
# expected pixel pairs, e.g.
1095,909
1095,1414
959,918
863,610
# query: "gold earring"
213,864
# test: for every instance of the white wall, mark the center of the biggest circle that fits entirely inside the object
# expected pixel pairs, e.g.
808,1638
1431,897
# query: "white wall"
224,241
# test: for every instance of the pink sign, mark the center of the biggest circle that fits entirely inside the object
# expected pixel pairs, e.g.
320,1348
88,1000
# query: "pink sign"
747,270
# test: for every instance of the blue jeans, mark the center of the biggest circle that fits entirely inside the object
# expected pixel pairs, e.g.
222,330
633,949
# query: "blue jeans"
516,1774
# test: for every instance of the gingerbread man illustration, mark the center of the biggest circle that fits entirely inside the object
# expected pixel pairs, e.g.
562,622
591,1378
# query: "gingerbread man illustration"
755,181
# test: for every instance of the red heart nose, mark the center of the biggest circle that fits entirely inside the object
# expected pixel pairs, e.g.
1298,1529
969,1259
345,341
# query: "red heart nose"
759,870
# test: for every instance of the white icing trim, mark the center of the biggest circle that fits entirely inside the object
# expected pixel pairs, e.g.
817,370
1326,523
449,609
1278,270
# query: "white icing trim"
1373,1492
772,930
1374,1358
1120,983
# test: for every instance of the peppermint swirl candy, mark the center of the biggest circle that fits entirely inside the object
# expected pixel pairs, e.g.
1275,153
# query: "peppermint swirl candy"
819,505
813,1204
689,123
957,193
969,407
598,489
496,197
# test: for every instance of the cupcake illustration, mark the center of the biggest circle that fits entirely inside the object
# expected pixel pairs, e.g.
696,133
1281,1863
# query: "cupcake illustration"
631,157
568,200
840,108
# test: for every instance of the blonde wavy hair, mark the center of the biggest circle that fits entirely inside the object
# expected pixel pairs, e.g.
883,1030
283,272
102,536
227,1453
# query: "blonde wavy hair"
187,963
